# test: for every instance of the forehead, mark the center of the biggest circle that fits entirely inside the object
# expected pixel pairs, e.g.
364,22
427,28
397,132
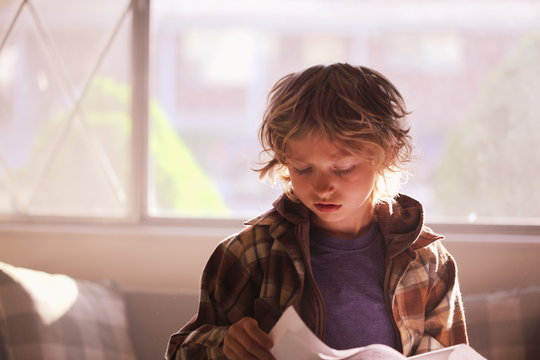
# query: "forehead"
316,147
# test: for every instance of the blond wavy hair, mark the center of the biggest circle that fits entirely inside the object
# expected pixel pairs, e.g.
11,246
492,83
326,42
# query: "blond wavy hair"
352,106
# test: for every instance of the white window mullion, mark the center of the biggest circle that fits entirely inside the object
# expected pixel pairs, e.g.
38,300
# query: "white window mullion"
140,117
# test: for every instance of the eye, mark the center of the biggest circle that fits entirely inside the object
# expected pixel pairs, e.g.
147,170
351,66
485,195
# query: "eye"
302,171
344,171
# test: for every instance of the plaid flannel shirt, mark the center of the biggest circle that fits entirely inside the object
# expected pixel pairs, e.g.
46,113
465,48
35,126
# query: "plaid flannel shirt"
266,268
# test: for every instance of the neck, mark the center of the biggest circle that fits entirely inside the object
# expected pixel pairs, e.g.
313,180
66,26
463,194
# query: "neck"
350,231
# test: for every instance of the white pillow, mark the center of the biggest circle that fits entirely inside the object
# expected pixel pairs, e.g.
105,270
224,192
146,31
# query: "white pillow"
55,317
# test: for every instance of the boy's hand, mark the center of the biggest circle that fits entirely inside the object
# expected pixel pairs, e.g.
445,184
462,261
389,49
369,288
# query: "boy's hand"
245,341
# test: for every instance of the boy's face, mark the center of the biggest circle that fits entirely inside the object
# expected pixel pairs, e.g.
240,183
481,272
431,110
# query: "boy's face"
335,185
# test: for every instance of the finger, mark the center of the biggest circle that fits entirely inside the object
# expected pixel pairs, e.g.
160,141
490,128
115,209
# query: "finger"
263,339
254,340
252,345
246,340
234,350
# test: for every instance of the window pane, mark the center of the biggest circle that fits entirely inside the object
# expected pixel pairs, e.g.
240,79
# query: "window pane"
469,72
65,90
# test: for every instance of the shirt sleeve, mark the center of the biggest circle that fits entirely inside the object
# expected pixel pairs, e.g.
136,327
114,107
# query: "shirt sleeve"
204,342
444,322
227,290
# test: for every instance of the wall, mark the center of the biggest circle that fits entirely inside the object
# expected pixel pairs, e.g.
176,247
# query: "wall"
172,258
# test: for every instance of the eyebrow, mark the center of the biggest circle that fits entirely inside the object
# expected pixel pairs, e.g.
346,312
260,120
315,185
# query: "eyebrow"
336,159
294,159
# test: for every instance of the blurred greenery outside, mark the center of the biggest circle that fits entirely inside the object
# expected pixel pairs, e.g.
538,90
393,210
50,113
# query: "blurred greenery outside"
178,184
181,185
478,172
491,162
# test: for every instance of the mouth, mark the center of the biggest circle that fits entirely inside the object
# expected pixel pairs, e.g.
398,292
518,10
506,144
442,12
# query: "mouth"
327,207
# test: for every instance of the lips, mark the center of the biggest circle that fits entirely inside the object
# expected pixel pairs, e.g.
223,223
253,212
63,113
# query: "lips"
327,207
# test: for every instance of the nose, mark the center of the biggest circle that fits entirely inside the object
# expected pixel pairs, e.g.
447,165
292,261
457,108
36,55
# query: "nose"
323,185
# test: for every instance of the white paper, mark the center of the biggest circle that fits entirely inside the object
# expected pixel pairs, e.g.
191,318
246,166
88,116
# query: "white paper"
294,340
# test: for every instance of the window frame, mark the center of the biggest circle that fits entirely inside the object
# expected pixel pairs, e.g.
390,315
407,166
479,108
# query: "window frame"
138,216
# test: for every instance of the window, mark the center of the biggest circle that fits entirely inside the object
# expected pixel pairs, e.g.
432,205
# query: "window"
66,99
98,123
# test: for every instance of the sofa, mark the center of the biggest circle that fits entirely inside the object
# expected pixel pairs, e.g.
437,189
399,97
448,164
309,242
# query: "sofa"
54,316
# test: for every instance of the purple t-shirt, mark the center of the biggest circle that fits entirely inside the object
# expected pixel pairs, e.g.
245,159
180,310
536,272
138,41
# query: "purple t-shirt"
350,275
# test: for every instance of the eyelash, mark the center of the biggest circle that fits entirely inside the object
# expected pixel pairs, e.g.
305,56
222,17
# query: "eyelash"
344,171
302,171
336,171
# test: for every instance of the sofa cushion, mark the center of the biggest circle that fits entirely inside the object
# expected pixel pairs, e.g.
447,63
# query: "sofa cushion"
154,315
52,316
505,324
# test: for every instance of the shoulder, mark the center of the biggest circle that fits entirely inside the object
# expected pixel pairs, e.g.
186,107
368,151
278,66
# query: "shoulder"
258,237
434,257
430,271
429,243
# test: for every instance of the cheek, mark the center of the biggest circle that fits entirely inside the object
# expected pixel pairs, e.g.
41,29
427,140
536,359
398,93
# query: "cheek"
370,179
363,182
299,183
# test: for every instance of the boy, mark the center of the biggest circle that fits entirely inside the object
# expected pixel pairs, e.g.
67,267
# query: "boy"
341,245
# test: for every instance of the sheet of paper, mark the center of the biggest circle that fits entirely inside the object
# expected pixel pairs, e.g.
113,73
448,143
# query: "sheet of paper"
292,337
456,352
